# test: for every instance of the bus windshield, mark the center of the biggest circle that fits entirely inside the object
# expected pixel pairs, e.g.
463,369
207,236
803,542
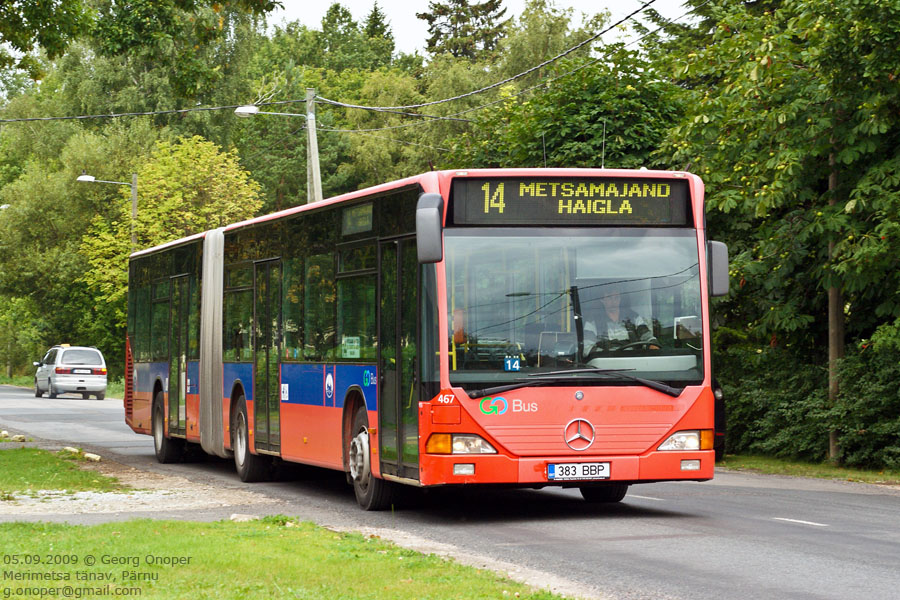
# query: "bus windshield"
526,301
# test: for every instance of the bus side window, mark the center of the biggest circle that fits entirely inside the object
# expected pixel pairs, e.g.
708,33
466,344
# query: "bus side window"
318,318
292,308
356,317
238,313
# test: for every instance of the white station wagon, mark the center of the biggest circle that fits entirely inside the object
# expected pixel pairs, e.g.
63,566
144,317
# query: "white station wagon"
71,369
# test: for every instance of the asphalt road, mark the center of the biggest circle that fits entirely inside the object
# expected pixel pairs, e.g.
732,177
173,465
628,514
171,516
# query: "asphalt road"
740,536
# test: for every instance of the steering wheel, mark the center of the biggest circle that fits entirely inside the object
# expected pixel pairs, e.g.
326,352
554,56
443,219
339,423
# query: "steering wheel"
597,349
641,344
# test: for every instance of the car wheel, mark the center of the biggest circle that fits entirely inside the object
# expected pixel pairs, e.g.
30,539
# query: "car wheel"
371,493
51,392
37,391
101,395
250,467
606,493
168,450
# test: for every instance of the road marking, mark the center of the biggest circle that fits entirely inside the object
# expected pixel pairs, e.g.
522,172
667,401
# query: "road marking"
800,522
646,497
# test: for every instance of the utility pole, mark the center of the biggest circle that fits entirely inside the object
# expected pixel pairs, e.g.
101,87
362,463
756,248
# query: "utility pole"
313,174
133,211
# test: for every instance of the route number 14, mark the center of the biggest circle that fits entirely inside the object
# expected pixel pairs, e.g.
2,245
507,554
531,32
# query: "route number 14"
494,200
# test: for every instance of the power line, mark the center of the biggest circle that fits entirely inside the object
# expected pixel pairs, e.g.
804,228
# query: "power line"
498,83
549,80
381,137
543,83
397,109
127,114
151,113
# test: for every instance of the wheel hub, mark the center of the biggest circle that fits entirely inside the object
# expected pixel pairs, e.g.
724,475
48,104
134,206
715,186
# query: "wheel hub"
359,457
240,445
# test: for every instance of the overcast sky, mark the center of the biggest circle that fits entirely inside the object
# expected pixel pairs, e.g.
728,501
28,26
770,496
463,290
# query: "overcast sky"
410,32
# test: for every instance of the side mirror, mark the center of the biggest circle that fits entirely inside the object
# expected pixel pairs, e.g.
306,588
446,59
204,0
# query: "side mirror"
37,364
717,255
429,227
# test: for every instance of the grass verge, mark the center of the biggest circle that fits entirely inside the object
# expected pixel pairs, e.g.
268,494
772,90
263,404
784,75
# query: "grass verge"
273,558
18,380
778,466
27,470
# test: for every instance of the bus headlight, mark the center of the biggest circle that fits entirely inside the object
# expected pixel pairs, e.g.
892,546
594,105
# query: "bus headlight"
689,440
458,443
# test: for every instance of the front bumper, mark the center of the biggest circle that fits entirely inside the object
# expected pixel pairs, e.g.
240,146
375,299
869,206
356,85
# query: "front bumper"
438,469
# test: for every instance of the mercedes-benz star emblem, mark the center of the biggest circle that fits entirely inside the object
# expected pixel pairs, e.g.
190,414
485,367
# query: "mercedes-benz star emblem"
579,435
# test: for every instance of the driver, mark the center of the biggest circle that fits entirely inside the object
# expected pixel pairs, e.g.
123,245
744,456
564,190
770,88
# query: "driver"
615,325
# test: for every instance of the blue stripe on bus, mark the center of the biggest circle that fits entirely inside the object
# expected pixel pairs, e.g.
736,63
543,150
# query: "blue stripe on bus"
193,377
148,373
242,371
310,384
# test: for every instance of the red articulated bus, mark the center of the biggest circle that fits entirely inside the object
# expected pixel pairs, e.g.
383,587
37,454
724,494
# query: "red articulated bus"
523,327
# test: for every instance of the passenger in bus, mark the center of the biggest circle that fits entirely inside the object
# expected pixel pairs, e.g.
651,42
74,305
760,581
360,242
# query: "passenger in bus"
610,324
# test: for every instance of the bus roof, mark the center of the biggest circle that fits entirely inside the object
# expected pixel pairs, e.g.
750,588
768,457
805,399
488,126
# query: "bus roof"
439,182
173,243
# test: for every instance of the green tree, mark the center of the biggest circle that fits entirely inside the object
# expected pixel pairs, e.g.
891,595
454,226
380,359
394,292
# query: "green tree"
185,187
464,29
48,214
377,30
615,111
542,31
346,45
792,122
20,335
25,24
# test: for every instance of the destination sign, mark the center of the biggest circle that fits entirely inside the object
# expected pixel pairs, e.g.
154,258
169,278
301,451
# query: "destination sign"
570,201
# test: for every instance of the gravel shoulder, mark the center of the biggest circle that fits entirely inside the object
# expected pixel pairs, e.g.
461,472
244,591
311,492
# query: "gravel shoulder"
148,492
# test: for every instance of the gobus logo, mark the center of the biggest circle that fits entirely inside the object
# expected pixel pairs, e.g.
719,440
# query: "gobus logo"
499,406
495,406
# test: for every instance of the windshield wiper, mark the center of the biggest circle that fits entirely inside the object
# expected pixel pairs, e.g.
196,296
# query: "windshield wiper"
659,386
514,386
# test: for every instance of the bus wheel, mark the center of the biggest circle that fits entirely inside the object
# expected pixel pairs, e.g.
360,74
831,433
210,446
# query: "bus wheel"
610,492
250,467
168,450
371,493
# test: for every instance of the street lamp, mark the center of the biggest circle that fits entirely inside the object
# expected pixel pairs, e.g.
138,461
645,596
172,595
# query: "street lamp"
313,174
84,177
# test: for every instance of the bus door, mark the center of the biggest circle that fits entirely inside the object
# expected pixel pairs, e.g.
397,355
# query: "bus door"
267,352
178,352
398,402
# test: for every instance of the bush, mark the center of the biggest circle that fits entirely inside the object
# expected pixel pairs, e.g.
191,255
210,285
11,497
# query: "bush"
777,403
869,408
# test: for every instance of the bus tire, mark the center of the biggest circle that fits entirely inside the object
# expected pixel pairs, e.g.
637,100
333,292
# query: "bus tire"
168,450
250,467
371,493
607,493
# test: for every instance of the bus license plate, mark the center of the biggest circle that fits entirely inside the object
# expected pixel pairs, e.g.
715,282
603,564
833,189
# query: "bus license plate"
597,470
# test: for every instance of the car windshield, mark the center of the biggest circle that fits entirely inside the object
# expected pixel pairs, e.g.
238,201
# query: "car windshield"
525,302
81,356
